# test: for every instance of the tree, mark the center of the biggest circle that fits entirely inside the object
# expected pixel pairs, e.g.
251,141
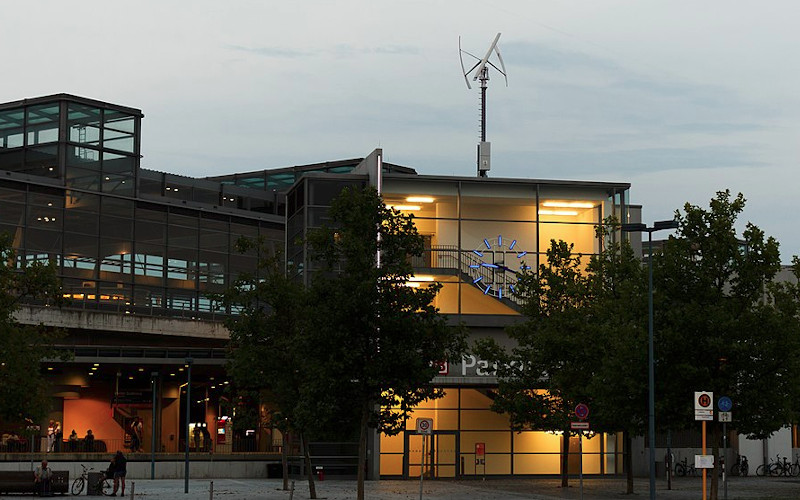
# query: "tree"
24,392
379,338
266,345
618,388
543,378
718,330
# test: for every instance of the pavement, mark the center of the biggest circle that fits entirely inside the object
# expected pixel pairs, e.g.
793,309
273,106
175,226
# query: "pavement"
474,489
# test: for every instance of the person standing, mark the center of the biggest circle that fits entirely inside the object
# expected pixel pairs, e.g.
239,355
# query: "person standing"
138,431
51,436
41,479
119,465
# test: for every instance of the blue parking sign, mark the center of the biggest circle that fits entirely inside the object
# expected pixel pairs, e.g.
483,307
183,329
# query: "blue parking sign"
724,403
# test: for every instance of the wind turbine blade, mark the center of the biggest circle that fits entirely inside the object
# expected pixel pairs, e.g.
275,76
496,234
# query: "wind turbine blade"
485,59
502,64
471,55
461,58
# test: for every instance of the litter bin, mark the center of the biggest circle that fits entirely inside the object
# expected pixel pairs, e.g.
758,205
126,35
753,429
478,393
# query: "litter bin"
94,483
274,471
320,472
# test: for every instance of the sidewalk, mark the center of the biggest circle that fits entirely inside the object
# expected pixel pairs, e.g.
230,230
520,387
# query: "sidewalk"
491,489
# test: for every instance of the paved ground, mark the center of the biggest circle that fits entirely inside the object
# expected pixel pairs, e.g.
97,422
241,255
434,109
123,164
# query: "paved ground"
750,488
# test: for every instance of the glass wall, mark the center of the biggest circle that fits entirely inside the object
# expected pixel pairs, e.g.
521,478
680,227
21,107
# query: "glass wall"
464,414
480,235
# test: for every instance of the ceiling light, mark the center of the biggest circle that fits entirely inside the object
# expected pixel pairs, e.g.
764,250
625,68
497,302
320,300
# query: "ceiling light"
421,278
97,364
406,207
49,368
568,204
411,284
141,369
94,368
420,199
557,212
130,378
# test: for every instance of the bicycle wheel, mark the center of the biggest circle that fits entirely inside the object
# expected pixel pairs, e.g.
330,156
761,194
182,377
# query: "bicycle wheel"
106,486
795,469
774,470
761,470
77,486
680,470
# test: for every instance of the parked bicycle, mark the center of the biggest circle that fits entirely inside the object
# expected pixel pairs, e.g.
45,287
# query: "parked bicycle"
683,468
104,486
740,467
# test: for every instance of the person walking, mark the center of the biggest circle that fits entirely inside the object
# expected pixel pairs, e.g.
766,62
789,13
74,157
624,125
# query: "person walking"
51,436
119,465
41,479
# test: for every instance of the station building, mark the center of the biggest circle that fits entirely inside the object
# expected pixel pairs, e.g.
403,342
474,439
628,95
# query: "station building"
141,251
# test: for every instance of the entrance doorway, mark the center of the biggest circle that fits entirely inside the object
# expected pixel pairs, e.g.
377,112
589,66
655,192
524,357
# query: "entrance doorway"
441,454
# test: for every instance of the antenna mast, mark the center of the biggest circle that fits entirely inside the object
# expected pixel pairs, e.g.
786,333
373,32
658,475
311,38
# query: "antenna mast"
480,71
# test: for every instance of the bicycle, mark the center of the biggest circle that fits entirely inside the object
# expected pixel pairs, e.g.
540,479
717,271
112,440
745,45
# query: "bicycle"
782,468
105,486
683,468
770,468
741,467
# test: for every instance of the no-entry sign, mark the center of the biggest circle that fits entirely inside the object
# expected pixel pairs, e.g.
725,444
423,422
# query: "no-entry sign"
424,426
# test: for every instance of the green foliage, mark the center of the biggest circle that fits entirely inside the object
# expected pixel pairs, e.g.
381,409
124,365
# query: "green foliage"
718,329
374,337
23,388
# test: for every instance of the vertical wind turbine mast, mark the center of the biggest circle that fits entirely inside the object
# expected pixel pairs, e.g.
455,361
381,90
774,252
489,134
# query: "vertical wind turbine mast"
480,71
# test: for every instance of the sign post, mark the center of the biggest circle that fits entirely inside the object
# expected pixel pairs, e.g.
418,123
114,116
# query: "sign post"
725,405
703,411
582,412
424,429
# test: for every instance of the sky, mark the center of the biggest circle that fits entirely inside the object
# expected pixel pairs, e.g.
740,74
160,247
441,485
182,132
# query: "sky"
679,98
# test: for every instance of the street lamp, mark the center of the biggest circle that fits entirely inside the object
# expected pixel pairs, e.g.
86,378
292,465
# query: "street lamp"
189,362
651,377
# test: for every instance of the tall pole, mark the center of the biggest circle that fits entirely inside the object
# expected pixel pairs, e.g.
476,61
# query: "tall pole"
186,431
484,78
651,375
153,381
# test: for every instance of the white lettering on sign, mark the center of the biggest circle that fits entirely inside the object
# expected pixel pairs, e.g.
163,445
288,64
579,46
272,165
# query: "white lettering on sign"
471,366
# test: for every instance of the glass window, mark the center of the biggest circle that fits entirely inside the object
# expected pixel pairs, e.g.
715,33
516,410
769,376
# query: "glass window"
116,227
44,217
77,200
118,184
118,164
150,232
86,158
13,161
41,240
11,122
117,207
83,123
82,178
42,161
76,221
12,192
80,255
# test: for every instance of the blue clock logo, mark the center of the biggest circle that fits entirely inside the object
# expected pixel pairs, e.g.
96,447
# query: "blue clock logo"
495,266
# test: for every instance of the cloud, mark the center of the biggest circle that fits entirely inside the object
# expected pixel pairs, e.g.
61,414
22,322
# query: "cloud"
340,51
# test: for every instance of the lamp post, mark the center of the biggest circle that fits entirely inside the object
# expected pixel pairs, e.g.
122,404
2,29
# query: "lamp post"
651,377
154,385
189,362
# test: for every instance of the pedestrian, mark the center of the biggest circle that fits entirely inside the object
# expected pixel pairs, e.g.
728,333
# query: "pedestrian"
73,441
88,441
119,465
51,436
137,432
41,479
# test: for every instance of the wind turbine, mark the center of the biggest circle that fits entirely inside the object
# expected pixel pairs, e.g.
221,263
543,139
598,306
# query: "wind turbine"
480,71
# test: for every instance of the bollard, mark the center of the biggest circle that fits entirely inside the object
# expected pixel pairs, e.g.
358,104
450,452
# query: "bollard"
211,491
133,488
291,491
320,473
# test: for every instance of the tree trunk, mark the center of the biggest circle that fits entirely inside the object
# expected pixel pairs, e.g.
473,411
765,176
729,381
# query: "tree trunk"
362,450
285,458
715,451
628,462
565,459
312,488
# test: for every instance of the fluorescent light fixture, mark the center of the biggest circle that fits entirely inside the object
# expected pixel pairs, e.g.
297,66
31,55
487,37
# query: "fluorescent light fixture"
558,212
568,204
420,199
407,208
421,278
411,284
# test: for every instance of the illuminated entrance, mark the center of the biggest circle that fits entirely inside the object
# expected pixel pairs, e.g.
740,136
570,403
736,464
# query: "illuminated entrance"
441,450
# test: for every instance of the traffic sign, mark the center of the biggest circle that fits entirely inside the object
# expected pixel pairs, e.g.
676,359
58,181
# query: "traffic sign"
424,426
480,449
724,403
581,411
579,426
704,414
703,400
725,416
704,461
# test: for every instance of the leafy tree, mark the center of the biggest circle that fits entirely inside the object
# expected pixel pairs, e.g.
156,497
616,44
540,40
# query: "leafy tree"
378,337
718,330
266,343
23,389
543,378
618,388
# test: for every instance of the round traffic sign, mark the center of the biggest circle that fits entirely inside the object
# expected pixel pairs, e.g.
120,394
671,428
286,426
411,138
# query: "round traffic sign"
424,425
724,403
581,411
704,400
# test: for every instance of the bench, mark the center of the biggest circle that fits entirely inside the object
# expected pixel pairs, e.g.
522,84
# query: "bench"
22,482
